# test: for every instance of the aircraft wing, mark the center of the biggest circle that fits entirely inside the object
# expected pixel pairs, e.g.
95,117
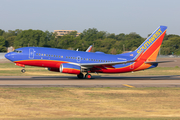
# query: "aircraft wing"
112,63
105,63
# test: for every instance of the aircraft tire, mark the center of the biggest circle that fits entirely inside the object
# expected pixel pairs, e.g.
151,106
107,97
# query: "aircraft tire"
88,76
80,76
23,70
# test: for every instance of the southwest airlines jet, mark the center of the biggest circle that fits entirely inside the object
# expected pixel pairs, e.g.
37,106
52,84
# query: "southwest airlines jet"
78,62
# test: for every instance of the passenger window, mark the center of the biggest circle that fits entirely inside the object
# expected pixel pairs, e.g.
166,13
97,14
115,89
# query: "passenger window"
36,53
44,54
61,56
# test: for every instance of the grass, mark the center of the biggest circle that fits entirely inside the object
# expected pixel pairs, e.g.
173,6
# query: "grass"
9,69
90,103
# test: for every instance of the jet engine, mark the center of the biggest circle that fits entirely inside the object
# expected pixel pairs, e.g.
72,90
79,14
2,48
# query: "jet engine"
67,68
70,68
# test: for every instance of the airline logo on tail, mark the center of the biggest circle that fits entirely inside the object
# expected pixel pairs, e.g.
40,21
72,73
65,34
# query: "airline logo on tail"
152,39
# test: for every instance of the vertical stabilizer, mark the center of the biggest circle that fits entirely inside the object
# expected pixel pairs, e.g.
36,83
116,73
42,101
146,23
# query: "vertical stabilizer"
152,44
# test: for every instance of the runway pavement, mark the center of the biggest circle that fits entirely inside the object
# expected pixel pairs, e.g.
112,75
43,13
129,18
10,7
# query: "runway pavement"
97,81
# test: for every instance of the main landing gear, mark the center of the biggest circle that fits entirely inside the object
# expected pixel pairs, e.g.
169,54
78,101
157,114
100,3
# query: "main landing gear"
88,76
81,76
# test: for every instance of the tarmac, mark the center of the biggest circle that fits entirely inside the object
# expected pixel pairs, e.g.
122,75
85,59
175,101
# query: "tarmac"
96,81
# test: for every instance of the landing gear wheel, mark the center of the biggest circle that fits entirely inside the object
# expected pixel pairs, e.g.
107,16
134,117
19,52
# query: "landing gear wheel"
88,76
23,70
80,76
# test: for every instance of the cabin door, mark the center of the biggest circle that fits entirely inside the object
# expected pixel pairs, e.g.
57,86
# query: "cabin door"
31,53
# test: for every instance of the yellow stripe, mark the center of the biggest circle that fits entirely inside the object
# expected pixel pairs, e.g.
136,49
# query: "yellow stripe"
154,41
128,85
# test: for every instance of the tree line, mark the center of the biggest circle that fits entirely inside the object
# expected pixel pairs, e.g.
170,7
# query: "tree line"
102,41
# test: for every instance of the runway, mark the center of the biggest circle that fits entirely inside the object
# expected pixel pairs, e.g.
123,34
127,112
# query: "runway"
97,81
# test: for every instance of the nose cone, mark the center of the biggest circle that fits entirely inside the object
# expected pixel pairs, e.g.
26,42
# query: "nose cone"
9,56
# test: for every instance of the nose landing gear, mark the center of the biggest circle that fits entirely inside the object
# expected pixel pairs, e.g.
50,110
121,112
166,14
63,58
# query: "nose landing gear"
23,70
21,65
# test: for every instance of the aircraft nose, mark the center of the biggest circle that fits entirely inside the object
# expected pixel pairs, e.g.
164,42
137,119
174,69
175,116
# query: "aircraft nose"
8,56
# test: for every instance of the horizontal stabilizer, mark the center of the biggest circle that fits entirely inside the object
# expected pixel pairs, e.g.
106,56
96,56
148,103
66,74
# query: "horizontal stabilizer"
152,62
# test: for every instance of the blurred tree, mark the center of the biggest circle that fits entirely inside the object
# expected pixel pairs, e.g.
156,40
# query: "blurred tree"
113,51
10,41
1,32
31,38
2,44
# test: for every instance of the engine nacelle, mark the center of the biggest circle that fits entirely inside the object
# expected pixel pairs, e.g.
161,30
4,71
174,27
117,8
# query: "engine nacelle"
70,68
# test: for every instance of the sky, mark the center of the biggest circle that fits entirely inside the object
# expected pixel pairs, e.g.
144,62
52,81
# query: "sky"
112,16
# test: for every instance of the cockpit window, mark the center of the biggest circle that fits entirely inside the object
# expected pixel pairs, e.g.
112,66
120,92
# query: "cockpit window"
17,51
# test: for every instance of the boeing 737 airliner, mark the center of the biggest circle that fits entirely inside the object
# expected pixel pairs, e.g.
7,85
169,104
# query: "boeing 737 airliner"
77,62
